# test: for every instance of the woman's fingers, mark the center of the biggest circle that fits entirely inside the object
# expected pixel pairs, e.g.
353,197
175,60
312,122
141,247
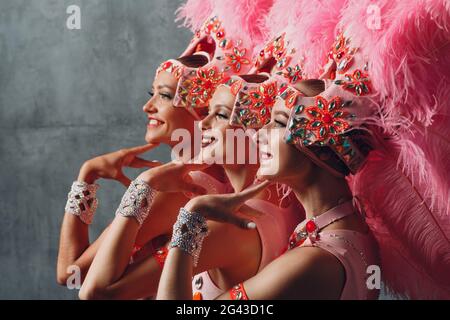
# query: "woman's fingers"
188,167
143,148
192,188
239,222
123,179
249,211
250,192
137,162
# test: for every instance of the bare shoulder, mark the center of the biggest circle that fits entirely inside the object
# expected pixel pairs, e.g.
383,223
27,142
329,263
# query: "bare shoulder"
301,273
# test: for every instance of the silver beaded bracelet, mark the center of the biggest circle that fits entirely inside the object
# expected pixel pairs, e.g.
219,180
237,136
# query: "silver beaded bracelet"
189,231
82,201
137,201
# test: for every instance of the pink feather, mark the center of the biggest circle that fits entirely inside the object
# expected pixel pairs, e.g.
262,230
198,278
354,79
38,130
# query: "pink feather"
409,54
194,13
406,187
241,18
309,26
413,238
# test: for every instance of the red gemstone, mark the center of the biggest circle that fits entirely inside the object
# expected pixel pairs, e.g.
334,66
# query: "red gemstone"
327,118
220,34
268,100
330,55
167,65
261,53
282,89
207,85
311,226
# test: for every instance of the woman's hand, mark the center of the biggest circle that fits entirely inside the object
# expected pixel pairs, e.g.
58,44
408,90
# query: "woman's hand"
223,207
109,166
173,177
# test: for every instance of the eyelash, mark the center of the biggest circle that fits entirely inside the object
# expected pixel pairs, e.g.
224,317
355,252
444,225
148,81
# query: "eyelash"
166,96
279,124
163,95
221,116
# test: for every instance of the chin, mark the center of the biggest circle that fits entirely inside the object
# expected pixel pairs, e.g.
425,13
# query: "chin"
150,137
267,173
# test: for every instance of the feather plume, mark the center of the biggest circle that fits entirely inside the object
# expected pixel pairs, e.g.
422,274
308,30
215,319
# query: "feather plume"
240,18
413,237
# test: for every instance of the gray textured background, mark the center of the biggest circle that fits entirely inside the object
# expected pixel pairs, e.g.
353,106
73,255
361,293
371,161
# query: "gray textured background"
66,96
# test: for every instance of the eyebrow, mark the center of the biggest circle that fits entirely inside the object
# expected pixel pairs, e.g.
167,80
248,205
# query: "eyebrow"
165,86
283,113
222,106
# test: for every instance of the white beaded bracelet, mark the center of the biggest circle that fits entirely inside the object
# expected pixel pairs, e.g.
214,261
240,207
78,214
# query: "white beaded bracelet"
82,201
137,201
189,231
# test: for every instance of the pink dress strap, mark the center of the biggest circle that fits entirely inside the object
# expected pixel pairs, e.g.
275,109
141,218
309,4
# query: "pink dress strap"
355,250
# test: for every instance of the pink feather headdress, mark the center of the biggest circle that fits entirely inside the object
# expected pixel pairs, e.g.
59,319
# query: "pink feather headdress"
404,185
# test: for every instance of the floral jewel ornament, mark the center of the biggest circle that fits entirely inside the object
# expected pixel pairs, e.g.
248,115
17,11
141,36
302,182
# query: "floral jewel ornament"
196,86
333,118
284,62
328,120
231,55
254,102
187,94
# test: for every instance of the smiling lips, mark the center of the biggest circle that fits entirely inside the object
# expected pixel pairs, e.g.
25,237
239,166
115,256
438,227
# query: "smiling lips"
207,140
264,154
153,123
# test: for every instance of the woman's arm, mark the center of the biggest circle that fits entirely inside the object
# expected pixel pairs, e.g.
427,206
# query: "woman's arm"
302,273
141,279
74,246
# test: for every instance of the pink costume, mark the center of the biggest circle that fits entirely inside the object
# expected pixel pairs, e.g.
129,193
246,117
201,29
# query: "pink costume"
355,250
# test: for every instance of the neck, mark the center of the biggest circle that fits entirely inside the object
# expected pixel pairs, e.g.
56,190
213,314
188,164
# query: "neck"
321,192
241,176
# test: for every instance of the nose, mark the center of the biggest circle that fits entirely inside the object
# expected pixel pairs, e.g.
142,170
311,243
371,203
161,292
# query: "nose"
149,106
205,123
260,137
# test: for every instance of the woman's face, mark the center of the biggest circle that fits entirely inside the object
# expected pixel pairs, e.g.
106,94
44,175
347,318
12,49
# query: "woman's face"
163,117
280,162
218,141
